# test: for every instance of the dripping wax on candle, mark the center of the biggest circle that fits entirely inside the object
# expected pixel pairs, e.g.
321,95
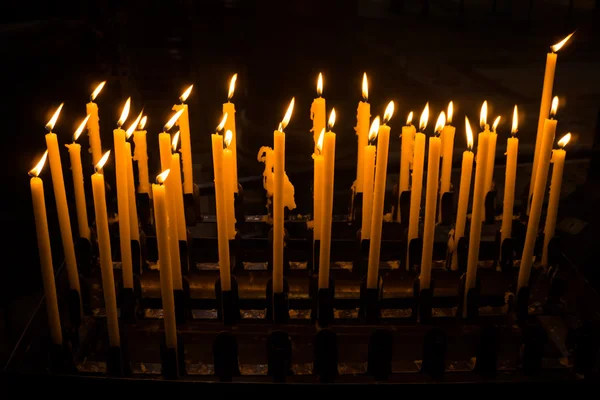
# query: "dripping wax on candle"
78,188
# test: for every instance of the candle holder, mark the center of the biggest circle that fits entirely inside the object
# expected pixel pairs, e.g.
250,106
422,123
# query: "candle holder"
286,261
184,256
236,260
182,302
83,253
487,352
379,363
144,211
507,250
172,360
423,301
279,356
532,350
128,300
136,256
228,309
225,354
404,207
325,347
470,310
322,302
361,258
415,249
435,344
238,206
447,208
190,208
462,253
117,362
370,307
315,254
356,202
278,307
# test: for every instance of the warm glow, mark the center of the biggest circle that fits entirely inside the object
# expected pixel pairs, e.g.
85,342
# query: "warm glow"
560,44
409,119
483,115
35,171
320,84
495,124
469,133
97,91
287,116
424,118
175,141
52,122
222,123
124,113
232,86
132,127
450,113
331,121
320,141
143,122
173,119
554,107
564,140
389,111
515,121
102,161
186,94
162,177
227,138
374,130
365,87
441,121
80,129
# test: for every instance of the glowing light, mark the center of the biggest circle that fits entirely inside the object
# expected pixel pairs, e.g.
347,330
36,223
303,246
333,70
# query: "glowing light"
424,118
102,161
173,119
232,86
134,125
186,94
560,44
564,140
331,121
320,140
389,111
409,119
162,177
450,113
483,115
554,107
97,91
228,137
175,141
320,84
469,133
515,121
143,122
495,124
441,121
219,127
287,116
374,130
365,87
52,122
35,171
80,129
124,113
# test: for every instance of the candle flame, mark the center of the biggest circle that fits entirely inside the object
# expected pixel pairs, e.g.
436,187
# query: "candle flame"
134,125
97,91
424,118
124,113
35,171
320,140
560,44
175,141
374,131
320,84
564,140
554,107
52,122
331,121
80,129
469,133
439,125
228,137
173,119
365,87
102,161
450,113
483,115
515,121
287,116
143,122
186,94
409,119
219,127
389,111
162,177
495,124
232,86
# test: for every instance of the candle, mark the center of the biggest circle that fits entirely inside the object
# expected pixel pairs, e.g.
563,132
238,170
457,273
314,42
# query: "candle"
535,210
383,144
406,158
176,176
104,251
545,107
62,208
93,125
164,143
278,199
43,238
317,112
77,171
166,276
229,183
140,154
558,159
186,146
222,231
229,109
362,131
318,187
433,164
512,150
486,131
465,190
123,198
491,158
368,180
327,211
447,137
133,216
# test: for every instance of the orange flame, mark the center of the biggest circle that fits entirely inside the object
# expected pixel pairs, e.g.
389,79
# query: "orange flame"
173,119
102,161
409,119
469,133
52,122
483,115
175,140
186,94
320,140
365,87
495,124
564,140
143,122
560,44
320,84
124,113
80,129
374,131
515,121
162,177
450,113
228,137
35,171
331,121
232,86
441,121
424,118
219,127
554,107
132,127
97,91
389,111
287,116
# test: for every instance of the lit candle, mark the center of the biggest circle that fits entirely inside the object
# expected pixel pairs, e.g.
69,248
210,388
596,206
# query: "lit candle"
406,158
317,112
318,187
60,196
77,171
186,145
368,180
43,238
176,176
134,224
229,109
538,197
465,191
164,143
363,117
93,126
383,145
491,158
558,159
433,167
278,199
140,154
162,237
512,150
123,198
486,131
545,107
447,136
222,231
230,182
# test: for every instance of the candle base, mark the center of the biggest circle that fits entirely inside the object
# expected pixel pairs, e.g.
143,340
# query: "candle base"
486,363
379,363
423,301
236,260
325,363
74,307
396,203
470,310
370,307
279,354
435,344
228,306
60,359
136,257
507,250
286,261
225,353
404,207
117,365
522,304
144,211
446,216
278,309
83,254
462,253
490,208
532,350
172,360
238,207
415,250
360,265
184,257
128,302
323,298
355,214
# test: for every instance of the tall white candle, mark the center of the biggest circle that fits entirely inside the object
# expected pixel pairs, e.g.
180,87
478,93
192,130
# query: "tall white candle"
406,158
186,144
77,172
93,126
447,136
512,150
363,116
491,158
229,109
140,154
318,186
317,112
134,224
368,180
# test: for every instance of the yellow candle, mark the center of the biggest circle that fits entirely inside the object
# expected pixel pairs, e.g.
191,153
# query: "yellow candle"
123,198
433,166
106,264
512,150
133,216
186,145
318,187
491,158
229,183
62,208
484,168
229,109
368,181
43,238
363,117
465,191
166,276
447,152
140,154
77,171
406,158
176,176
317,112
558,159
93,126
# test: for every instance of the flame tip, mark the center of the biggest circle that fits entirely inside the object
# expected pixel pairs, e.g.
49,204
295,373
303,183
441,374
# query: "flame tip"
186,93
564,140
102,161
556,47
35,171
